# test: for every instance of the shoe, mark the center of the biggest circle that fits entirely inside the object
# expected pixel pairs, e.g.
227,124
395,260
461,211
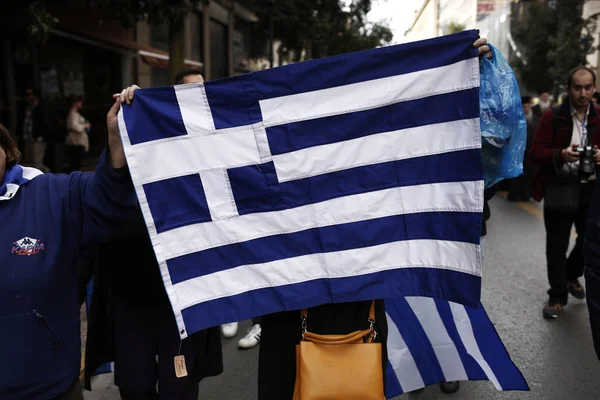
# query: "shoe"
576,289
251,339
450,387
552,309
229,330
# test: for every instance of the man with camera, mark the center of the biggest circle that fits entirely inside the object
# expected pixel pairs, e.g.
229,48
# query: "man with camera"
565,151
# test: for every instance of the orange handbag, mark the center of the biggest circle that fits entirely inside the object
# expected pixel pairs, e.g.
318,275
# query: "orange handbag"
339,367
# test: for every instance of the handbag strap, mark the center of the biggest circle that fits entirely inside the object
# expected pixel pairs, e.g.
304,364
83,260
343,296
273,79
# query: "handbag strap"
304,317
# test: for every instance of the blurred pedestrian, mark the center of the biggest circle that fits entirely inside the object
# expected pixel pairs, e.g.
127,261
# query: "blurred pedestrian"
520,187
33,129
78,142
46,220
545,102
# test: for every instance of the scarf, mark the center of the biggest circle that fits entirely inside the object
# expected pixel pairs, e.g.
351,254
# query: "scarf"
14,178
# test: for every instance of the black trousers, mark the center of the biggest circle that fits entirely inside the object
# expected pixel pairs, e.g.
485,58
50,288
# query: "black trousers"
75,392
140,337
558,233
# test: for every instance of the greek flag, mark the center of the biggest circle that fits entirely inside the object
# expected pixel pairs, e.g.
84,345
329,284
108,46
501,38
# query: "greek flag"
433,341
340,179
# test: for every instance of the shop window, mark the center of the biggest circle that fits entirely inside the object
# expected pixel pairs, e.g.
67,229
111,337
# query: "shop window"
196,36
218,50
159,36
160,77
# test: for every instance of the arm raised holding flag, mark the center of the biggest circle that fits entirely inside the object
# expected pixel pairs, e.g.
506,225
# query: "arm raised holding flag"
46,220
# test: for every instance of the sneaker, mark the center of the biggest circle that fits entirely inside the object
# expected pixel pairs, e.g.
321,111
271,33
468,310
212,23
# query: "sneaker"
229,330
251,339
552,309
576,289
450,387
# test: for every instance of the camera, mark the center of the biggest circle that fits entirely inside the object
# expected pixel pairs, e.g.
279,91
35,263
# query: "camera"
586,162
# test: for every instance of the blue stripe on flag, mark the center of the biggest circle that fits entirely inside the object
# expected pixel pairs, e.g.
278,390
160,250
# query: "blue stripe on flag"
494,351
314,132
428,281
146,122
474,371
234,101
416,340
256,188
177,202
451,226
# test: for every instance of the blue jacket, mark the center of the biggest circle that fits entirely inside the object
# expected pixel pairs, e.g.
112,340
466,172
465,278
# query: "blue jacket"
42,230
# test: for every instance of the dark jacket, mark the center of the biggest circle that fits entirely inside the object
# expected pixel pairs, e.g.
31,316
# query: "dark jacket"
546,150
39,127
43,228
591,254
487,196
126,269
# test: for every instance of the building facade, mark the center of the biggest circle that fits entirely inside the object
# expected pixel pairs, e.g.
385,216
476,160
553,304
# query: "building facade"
85,55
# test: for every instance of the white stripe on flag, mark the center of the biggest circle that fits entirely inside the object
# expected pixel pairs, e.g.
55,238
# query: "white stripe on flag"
436,254
262,142
383,147
186,155
401,359
435,197
370,94
194,108
465,331
218,194
443,346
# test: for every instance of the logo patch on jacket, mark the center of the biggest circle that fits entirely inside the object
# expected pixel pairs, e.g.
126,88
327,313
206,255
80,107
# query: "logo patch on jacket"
27,247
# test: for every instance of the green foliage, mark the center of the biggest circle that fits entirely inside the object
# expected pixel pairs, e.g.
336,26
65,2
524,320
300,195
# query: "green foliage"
41,21
316,28
455,27
555,38
30,15
153,11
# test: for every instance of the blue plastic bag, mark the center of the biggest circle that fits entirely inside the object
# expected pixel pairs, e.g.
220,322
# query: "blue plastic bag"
502,121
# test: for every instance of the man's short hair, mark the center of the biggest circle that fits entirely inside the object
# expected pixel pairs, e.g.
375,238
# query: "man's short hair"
525,99
34,90
182,74
9,146
577,69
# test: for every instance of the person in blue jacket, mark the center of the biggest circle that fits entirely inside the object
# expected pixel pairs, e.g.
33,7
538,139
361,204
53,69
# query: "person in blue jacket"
45,221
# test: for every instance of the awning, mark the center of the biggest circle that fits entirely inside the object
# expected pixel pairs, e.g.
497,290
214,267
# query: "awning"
161,59
148,54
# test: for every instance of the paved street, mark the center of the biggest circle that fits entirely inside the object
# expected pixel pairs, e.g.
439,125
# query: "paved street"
556,357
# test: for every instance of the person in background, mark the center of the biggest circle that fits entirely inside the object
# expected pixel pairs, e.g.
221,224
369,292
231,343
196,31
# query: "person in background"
131,321
46,220
252,337
77,141
33,129
281,331
544,104
561,130
189,76
520,187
